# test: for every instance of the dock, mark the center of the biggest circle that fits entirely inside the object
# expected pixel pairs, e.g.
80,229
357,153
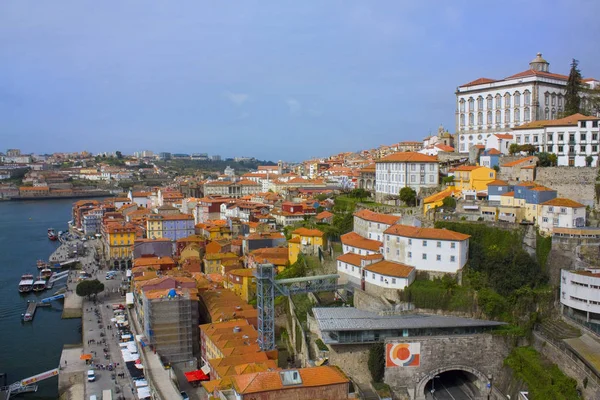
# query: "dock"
29,314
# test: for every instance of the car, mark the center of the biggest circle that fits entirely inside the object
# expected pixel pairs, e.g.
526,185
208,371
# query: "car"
185,396
91,375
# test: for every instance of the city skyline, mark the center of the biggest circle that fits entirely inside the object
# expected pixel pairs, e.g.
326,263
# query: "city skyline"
278,81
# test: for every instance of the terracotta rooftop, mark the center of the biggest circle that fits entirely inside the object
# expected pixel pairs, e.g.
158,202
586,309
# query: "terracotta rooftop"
562,202
355,240
425,233
308,232
571,120
479,81
369,215
517,162
356,259
409,157
498,182
390,268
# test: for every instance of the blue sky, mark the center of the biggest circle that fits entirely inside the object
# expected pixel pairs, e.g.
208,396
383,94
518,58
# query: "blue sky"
271,79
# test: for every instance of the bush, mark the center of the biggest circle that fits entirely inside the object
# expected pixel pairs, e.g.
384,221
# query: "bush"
321,345
376,361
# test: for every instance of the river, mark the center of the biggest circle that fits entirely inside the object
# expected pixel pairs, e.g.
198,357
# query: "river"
28,348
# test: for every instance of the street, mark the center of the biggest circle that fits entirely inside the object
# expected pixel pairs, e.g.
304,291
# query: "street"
451,386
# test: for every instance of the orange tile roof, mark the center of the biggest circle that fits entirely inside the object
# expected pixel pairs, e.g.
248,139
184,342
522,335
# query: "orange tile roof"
355,240
409,157
445,147
270,381
542,189
356,259
571,120
479,81
369,215
503,136
425,233
243,272
517,162
439,196
563,202
509,194
493,152
533,72
323,215
498,182
390,268
466,168
308,232
529,167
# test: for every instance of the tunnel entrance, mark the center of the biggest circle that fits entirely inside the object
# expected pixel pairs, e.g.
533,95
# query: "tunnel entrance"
454,385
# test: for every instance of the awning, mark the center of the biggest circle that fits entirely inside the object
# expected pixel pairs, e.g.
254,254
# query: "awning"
85,357
128,298
195,376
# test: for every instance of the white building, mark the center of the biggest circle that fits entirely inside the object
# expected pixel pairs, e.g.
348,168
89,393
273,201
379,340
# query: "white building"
572,138
371,225
500,142
487,106
352,242
350,267
561,213
399,170
426,249
388,275
580,295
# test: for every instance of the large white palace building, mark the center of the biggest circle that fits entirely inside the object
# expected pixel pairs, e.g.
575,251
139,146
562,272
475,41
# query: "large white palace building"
493,106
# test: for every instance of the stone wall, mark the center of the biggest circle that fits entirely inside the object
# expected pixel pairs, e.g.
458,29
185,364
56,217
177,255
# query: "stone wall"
480,354
352,359
367,302
576,183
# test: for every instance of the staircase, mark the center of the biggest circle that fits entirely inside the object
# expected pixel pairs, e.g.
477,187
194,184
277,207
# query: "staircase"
557,330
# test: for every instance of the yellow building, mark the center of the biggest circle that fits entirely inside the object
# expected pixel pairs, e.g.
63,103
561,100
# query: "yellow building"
118,240
213,261
437,199
473,177
154,227
242,282
305,241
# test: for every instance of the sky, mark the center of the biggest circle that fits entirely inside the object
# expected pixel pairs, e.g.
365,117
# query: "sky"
274,80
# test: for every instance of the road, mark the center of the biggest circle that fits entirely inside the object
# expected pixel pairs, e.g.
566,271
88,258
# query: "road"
453,387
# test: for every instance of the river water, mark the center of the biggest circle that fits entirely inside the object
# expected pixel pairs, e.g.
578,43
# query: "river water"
28,348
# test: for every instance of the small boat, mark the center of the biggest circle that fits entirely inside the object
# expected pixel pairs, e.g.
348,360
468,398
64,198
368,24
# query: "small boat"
39,285
52,234
42,264
26,283
46,273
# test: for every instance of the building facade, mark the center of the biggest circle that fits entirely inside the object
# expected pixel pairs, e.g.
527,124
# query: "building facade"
488,106
580,296
399,170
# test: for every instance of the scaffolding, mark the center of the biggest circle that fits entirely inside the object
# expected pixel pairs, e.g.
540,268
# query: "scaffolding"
171,326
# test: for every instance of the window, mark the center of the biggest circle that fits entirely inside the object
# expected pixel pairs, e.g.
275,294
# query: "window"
571,149
527,95
517,99
424,243
453,245
594,135
526,138
397,239
535,138
409,254
517,116
547,99
582,137
409,242
462,105
545,219
471,119
560,101
507,116
431,178
583,124
507,100
582,149
571,137
563,210
594,149
526,114
479,118
489,117
439,244
560,149
373,276
393,281
549,137
413,167
397,252
489,102
424,256
553,114
381,278
387,250
561,137
471,103
480,102
553,99
452,258
594,124
498,117
498,101
547,114
438,257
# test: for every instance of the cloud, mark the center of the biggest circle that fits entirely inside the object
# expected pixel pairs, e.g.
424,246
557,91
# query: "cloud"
236,98
294,106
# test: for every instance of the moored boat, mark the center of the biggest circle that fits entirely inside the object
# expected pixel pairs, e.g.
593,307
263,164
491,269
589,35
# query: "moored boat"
26,283
46,273
42,264
52,234
39,285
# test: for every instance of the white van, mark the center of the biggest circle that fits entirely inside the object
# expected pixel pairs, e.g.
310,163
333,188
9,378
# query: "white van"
91,375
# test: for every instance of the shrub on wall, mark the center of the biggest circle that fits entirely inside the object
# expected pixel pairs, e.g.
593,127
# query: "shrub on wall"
376,362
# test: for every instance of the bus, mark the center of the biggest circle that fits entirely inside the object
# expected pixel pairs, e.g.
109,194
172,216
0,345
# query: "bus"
107,394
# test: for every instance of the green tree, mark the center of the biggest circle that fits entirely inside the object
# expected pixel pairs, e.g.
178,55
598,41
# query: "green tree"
553,158
528,148
449,203
408,196
89,288
376,361
573,89
448,180
359,194
513,149
544,159
588,161
119,154
497,168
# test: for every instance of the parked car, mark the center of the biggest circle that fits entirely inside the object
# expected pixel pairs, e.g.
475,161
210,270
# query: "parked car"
91,375
185,396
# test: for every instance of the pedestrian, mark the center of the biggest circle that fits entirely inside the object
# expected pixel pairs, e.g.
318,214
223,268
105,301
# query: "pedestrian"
65,362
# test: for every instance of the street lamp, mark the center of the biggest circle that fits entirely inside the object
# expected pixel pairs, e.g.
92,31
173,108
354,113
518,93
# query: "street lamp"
433,385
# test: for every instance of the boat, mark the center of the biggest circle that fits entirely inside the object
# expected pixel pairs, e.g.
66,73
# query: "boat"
46,273
52,234
39,285
26,283
42,264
